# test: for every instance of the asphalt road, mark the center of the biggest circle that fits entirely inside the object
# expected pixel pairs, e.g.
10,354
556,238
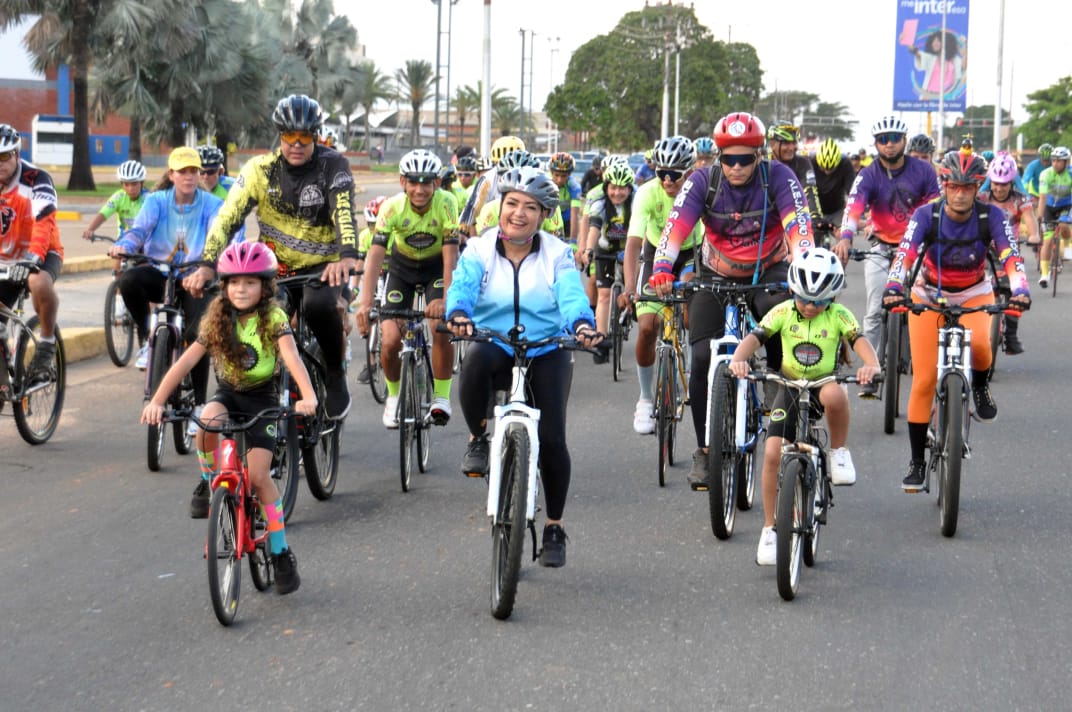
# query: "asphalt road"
105,604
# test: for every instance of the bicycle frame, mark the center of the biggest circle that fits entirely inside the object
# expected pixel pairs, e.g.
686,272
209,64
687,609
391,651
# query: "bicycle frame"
515,411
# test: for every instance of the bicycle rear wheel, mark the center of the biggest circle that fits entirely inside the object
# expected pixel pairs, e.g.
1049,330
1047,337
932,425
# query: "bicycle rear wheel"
180,431
320,454
377,381
891,387
816,496
260,567
425,392
118,326
508,531
997,336
616,336
746,460
285,463
224,563
1055,265
408,413
664,409
789,524
950,451
722,453
161,362
38,407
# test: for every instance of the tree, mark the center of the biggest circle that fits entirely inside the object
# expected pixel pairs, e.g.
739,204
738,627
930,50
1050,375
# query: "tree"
506,115
374,86
415,84
1050,115
466,100
815,117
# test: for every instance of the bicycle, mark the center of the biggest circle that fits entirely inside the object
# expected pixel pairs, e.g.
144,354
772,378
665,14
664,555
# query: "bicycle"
514,470
118,324
948,434
805,492
415,391
374,348
318,436
734,412
620,320
36,404
671,379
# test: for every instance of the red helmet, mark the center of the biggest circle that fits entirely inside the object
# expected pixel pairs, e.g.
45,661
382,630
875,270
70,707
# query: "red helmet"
739,129
247,258
372,208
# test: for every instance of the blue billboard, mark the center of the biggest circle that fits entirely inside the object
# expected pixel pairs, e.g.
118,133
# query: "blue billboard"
929,64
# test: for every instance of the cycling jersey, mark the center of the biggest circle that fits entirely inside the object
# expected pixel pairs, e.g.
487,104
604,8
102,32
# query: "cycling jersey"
1057,187
223,187
489,218
833,188
166,231
810,347
892,195
28,215
259,361
305,213
417,238
125,209
651,206
644,173
612,233
1031,176
569,197
733,243
805,173
1014,206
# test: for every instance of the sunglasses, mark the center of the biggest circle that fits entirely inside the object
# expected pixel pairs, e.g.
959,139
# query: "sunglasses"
951,187
7,156
674,176
209,171
883,139
820,303
737,160
297,138
466,174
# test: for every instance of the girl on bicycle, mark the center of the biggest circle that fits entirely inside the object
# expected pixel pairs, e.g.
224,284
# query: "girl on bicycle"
519,274
246,332
811,327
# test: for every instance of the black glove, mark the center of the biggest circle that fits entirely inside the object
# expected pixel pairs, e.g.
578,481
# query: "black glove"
21,270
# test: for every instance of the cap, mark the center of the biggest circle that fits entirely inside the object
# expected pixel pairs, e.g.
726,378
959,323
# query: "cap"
184,157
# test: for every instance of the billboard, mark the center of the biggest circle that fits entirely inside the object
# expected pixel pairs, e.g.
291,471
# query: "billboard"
924,66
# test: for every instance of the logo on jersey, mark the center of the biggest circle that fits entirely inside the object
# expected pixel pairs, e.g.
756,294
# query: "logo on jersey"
342,179
249,357
7,218
311,197
420,240
807,354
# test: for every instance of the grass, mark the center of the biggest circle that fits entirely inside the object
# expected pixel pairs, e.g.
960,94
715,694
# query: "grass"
102,193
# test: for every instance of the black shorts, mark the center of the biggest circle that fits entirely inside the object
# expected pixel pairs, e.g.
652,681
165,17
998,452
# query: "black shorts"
784,413
403,279
53,264
604,267
241,404
707,310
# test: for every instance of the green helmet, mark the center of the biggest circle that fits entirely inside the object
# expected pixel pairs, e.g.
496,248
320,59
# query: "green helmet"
829,155
1045,150
783,131
618,174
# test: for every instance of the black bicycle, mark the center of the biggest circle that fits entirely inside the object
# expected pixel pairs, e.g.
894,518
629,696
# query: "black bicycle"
118,324
620,320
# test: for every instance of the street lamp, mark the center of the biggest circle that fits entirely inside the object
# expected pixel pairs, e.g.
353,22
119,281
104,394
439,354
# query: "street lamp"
550,86
439,61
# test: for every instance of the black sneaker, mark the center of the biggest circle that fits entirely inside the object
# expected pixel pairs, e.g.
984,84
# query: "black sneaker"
41,367
337,403
913,481
475,461
553,553
199,502
287,579
698,476
868,390
1013,346
363,377
985,407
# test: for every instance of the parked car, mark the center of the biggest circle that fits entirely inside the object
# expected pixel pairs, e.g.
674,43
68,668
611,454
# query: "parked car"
580,167
636,160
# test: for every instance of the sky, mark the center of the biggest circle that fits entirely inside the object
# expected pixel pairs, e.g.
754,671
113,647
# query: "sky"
843,51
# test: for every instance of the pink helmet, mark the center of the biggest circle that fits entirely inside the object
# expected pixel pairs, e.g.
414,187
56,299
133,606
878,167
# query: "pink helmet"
1002,168
247,258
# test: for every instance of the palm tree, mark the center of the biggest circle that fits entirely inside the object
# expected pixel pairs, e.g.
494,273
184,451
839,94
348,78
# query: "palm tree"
311,46
505,115
466,100
373,88
415,84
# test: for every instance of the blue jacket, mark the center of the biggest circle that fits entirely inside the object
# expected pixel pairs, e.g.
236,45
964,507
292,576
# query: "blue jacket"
160,224
543,293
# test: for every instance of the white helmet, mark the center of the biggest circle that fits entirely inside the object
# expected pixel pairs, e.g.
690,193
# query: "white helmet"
889,124
10,140
420,164
817,274
130,172
1060,153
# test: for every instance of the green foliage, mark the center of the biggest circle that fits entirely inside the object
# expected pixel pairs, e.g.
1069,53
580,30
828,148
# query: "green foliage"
1050,112
416,85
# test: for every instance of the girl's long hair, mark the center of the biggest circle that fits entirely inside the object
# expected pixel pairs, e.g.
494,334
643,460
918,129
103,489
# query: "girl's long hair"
610,211
220,333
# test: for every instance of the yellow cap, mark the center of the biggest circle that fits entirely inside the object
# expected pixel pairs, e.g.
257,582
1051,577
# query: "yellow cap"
184,157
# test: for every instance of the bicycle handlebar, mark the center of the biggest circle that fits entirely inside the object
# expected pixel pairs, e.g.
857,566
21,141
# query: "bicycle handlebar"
861,255
408,314
954,310
231,424
520,345
802,383
105,238
716,287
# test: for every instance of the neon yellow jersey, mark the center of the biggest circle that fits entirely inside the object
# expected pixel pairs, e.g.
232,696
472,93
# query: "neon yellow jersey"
259,361
417,237
123,208
489,217
810,347
651,206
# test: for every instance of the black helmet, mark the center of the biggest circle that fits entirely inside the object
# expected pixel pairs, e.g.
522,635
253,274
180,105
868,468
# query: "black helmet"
920,143
960,167
210,156
297,112
467,164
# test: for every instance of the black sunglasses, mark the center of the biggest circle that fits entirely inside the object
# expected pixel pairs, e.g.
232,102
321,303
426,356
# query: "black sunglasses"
674,176
886,138
737,160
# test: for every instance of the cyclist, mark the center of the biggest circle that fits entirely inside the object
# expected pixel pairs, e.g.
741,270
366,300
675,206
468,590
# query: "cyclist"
673,157
754,216
891,188
519,275
1034,169
1019,208
921,146
421,226
489,214
447,178
125,203
1054,204
834,177
484,190
951,238
593,176
784,138
466,168
705,152
811,327
364,242
248,334
213,179
30,237
561,167
304,196
608,221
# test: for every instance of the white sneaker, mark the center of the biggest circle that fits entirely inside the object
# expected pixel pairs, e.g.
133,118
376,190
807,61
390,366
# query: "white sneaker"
1067,255
440,410
767,551
842,471
142,361
1044,281
643,422
191,426
390,413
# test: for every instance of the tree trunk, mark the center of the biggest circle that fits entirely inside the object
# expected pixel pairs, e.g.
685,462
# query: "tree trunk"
134,151
81,169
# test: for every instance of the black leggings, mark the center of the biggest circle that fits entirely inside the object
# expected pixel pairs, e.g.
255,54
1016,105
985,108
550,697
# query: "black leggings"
321,304
487,368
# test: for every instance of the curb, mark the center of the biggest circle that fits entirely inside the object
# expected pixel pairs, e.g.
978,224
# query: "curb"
83,343
77,265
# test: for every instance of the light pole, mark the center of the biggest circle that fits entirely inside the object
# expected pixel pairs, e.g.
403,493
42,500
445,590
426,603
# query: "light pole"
550,87
525,117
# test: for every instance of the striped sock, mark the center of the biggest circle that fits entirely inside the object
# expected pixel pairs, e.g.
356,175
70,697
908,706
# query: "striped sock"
277,536
207,460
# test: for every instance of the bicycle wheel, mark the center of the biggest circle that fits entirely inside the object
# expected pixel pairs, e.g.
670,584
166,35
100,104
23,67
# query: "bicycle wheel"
788,526
161,350
377,381
891,387
180,430
615,327
664,408
1055,267
408,405
38,407
950,447
224,565
426,393
285,463
508,531
816,494
260,567
118,326
722,453
746,460
997,335
320,452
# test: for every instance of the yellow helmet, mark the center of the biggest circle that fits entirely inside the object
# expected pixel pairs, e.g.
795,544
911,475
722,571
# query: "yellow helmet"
504,145
829,155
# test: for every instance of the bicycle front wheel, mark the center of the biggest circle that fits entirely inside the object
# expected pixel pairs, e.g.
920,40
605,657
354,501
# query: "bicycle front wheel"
38,407
950,448
320,454
222,552
508,531
891,387
260,567
426,393
161,350
377,381
1055,266
789,525
664,409
118,326
286,462
746,460
408,413
616,336
722,453
997,334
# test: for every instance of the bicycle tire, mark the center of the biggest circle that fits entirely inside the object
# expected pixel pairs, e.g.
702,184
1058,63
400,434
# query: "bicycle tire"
746,461
373,349
407,420
37,412
118,331
222,554
664,408
812,525
722,453
788,527
950,451
891,386
614,322
161,362
286,462
1055,265
508,531
320,454
997,337
260,567
180,431
425,393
